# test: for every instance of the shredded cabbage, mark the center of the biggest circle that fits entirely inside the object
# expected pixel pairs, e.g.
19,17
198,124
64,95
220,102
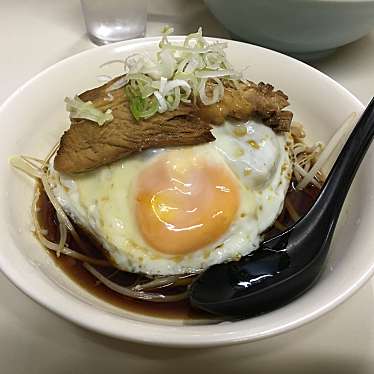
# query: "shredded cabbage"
86,110
177,73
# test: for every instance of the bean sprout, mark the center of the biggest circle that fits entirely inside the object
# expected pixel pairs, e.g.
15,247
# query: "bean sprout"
131,292
315,158
162,282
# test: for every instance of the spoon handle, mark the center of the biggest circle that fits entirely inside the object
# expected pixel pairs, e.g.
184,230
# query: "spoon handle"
341,175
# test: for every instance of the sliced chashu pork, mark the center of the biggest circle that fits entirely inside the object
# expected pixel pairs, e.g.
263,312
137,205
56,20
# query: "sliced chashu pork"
251,100
86,146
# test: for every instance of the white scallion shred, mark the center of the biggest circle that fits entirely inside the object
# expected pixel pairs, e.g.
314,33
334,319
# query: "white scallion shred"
86,110
178,73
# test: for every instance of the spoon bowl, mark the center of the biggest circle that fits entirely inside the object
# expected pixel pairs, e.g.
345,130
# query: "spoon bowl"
287,265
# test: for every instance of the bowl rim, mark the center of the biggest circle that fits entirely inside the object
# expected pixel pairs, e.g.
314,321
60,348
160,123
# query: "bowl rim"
163,335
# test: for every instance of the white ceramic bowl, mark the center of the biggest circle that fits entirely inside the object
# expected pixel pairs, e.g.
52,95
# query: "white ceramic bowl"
306,29
34,117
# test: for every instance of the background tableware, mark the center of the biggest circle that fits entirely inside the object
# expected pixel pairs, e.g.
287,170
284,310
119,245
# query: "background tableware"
307,29
114,20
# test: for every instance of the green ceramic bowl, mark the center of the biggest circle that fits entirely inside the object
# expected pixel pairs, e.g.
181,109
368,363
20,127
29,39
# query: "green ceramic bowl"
306,29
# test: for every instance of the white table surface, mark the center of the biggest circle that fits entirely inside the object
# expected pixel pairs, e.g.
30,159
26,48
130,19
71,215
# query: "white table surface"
35,34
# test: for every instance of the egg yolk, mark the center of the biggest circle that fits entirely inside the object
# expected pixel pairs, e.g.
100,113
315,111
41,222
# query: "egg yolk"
184,202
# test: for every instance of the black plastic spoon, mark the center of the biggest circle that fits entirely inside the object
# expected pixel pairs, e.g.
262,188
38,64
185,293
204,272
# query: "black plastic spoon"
287,265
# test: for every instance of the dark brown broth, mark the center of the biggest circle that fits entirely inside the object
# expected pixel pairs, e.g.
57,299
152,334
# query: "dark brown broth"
300,200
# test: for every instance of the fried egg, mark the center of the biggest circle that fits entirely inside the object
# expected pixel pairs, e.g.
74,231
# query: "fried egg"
181,210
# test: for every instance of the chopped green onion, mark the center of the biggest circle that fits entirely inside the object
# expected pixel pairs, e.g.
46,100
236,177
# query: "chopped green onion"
141,107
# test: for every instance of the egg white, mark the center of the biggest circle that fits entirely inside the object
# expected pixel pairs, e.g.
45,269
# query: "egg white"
102,201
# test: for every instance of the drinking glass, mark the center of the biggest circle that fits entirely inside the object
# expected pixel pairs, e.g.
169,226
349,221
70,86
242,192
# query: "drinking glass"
114,20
